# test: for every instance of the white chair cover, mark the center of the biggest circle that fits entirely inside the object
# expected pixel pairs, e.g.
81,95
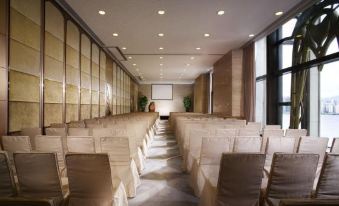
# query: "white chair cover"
78,132
78,144
61,132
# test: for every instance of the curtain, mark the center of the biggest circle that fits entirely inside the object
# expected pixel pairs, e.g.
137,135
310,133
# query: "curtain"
249,82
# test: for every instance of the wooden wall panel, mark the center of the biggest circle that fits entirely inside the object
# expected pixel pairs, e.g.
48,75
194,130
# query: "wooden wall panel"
201,89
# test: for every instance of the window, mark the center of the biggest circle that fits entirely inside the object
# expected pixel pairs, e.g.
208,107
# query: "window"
260,68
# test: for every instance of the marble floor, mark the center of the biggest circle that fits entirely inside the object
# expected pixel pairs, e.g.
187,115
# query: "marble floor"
162,182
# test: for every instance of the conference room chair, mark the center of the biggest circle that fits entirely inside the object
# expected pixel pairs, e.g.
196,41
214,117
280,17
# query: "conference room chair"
247,144
233,184
192,156
328,184
44,143
225,132
13,144
38,176
253,125
295,132
22,201
335,145
79,132
7,183
81,144
123,166
32,133
272,126
210,157
248,132
270,133
76,124
291,177
309,202
62,132
90,181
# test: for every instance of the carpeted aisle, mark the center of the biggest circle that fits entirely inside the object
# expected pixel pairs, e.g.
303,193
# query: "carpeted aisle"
162,182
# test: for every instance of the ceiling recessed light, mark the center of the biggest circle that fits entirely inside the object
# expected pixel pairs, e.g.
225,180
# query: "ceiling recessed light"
198,48
101,12
161,64
221,12
279,13
134,64
137,69
115,34
130,57
251,35
161,12
187,64
161,48
124,48
161,34
207,35
160,73
161,57
192,58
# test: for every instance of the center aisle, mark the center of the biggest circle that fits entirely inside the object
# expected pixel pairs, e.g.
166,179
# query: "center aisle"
162,182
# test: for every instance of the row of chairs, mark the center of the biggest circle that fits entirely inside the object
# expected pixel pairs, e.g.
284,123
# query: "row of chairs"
39,181
239,180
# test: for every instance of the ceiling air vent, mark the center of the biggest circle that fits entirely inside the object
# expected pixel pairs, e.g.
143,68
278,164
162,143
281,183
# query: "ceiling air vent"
117,53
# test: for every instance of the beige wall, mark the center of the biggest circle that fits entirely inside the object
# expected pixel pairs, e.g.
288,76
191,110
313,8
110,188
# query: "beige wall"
228,85
166,106
3,69
201,90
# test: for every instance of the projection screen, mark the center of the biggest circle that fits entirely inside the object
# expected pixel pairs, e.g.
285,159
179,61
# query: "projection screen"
162,91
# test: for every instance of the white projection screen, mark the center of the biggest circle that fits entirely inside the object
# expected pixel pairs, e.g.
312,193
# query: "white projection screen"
162,91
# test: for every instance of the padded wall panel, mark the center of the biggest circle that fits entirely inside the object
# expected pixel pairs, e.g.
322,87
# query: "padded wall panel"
85,64
85,81
3,50
102,111
2,17
85,111
53,113
72,94
54,47
29,8
3,84
53,91
23,115
54,21
72,112
95,97
24,87
85,96
54,69
95,110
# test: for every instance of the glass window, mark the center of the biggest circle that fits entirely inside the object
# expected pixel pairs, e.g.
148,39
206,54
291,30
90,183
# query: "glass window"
285,116
260,57
260,104
287,28
286,55
285,82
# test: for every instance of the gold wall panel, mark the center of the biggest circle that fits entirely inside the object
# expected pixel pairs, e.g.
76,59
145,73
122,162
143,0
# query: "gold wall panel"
73,36
53,92
24,30
54,69
85,64
85,111
3,50
72,112
95,54
95,110
54,21
53,114
95,84
72,75
24,59
102,111
85,81
2,16
95,97
85,46
102,99
54,47
85,96
95,70
29,8
72,57
3,84
23,115
24,87
72,94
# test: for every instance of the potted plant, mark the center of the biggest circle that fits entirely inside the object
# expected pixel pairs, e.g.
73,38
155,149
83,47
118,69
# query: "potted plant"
143,100
187,103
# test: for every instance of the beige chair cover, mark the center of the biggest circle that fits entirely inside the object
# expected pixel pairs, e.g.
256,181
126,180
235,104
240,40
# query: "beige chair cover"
78,144
253,125
335,146
291,176
272,127
309,202
38,176
247,144
122,166
210,157
58,125
78,124
193,152
296,132
32,133
61,132
97,133
90,181
7,184
276,145
236,185
16,144
270,133
314,145
226,132
79,132
248,132
52,144
328,184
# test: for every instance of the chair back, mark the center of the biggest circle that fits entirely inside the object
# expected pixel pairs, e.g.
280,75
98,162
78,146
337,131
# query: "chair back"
248,132
226,132
236,185
51,144
212,149
89,177
335,146
314,145
272,126
247,144
253,125
7,183
32,133
296,132
13,144
38,175
291,176
117,149
328,184
61,132
278,145
81,144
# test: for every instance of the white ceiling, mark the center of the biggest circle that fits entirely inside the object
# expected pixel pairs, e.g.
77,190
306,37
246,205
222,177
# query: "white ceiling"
184,24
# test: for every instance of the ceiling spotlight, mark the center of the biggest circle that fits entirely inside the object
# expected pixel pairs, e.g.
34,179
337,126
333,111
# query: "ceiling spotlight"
207,35
161,57
134,65
129,57
192,58
221,12
161,48
101,12
137,69
160,73
124,48
251,35
161,34
187,64
161,64
198,48
161,12
115,34
279,13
